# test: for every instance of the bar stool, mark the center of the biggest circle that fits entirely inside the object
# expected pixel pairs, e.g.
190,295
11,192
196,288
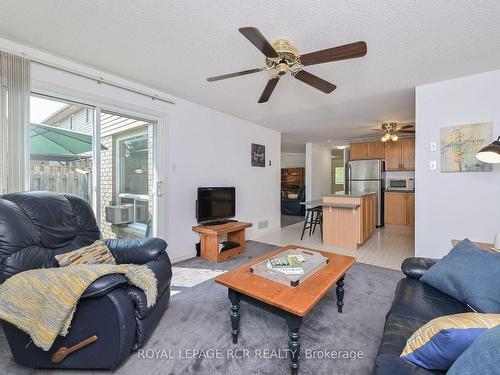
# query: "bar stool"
314,216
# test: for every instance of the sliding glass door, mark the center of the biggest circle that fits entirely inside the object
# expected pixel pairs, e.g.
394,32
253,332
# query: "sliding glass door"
104,157
127,169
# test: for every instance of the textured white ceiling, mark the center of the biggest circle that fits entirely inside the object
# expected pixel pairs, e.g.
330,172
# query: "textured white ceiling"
175,45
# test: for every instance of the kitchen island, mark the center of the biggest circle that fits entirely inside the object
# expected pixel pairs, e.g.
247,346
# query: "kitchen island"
348,219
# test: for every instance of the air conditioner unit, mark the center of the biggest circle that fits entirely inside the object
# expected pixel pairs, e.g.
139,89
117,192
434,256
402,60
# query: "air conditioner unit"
120,214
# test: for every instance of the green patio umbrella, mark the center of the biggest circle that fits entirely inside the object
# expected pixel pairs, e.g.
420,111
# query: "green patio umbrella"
52,143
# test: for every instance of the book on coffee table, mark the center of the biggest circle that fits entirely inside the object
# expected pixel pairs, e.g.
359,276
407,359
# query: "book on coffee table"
291,267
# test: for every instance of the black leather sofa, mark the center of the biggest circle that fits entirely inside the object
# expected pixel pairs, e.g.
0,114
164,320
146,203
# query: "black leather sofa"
36,226
291,206
414,304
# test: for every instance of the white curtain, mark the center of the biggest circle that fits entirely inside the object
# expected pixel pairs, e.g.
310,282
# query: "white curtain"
14,122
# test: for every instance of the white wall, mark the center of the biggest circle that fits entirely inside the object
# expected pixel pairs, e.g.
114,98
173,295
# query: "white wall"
318,171
197,146
293,160
209,148
455,205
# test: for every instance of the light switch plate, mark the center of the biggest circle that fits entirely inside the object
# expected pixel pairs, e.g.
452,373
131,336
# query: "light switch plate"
434,146
433,165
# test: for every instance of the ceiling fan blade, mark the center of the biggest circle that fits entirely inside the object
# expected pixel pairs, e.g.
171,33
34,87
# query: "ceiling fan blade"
407,131
258,40
347,51
268,90
407,126
231,75
315,81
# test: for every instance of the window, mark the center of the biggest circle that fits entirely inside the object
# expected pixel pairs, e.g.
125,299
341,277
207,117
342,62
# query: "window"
133,165
133,175
339,175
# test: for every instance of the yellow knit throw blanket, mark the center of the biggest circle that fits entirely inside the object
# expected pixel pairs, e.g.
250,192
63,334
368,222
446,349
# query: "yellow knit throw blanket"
42,302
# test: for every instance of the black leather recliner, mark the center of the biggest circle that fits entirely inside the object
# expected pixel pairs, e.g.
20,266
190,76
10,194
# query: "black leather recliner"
36,226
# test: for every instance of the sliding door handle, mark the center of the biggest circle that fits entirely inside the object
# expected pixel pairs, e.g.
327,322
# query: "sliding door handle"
159,192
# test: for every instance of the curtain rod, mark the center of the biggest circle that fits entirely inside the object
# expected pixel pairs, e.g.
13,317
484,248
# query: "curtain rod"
101,80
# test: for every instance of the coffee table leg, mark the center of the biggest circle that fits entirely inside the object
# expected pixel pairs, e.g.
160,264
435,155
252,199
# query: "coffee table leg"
340,293
234,297
294,323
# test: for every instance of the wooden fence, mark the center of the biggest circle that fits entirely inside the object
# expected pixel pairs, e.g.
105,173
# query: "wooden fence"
76,180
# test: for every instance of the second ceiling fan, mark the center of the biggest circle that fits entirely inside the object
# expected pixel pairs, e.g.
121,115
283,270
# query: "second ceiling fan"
283,57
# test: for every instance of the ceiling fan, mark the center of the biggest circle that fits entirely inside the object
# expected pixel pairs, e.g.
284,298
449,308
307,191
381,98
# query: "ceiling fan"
283,57
391,130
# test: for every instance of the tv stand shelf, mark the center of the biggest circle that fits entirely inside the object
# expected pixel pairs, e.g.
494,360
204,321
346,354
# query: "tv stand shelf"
209,238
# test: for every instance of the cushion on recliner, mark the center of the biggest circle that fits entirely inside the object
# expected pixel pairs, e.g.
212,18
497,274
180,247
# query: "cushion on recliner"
470,275
96,253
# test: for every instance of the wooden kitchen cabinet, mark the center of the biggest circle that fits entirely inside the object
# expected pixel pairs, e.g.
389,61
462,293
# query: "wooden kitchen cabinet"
393,152
367,150
375,150
399,208
410,209
408,154
359,151
400,155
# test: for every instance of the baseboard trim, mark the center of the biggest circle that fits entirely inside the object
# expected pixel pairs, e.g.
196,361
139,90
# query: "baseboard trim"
257,235
180,258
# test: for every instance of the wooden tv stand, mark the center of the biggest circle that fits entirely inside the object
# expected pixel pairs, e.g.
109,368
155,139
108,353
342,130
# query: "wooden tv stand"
209,238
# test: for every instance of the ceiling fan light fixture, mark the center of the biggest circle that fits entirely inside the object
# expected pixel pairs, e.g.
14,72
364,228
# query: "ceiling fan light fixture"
282,57
394,137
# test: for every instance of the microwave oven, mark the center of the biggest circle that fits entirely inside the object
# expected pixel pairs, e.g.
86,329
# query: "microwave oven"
398,183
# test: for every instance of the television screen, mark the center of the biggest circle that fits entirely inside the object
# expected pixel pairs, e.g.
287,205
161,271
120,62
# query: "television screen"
215,203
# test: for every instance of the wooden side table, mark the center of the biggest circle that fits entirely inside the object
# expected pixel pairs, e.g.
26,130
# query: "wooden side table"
209,238
482,245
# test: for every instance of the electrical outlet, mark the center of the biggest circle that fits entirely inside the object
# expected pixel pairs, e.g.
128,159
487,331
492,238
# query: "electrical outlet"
433,165
434,146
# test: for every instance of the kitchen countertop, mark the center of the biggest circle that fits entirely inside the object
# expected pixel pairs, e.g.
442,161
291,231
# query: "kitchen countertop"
348,195
399,190
319,202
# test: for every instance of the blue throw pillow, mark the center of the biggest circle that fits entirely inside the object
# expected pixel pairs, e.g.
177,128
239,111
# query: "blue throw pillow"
470,275
481,357
437,344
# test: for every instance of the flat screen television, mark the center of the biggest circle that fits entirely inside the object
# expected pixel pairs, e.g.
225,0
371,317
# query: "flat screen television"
215,204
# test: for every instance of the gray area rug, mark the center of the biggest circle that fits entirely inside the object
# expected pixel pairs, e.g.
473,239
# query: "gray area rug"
287,220
198,319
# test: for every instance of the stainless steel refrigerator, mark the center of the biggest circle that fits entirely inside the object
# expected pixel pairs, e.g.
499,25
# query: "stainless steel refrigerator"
365,176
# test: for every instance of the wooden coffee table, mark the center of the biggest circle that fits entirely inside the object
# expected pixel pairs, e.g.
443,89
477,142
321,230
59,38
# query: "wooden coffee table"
290,303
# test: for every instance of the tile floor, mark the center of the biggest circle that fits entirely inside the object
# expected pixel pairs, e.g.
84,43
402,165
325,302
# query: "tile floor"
388,247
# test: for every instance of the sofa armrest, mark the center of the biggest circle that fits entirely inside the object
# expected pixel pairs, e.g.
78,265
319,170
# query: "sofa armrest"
138,251
415,267
162,269
104,284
